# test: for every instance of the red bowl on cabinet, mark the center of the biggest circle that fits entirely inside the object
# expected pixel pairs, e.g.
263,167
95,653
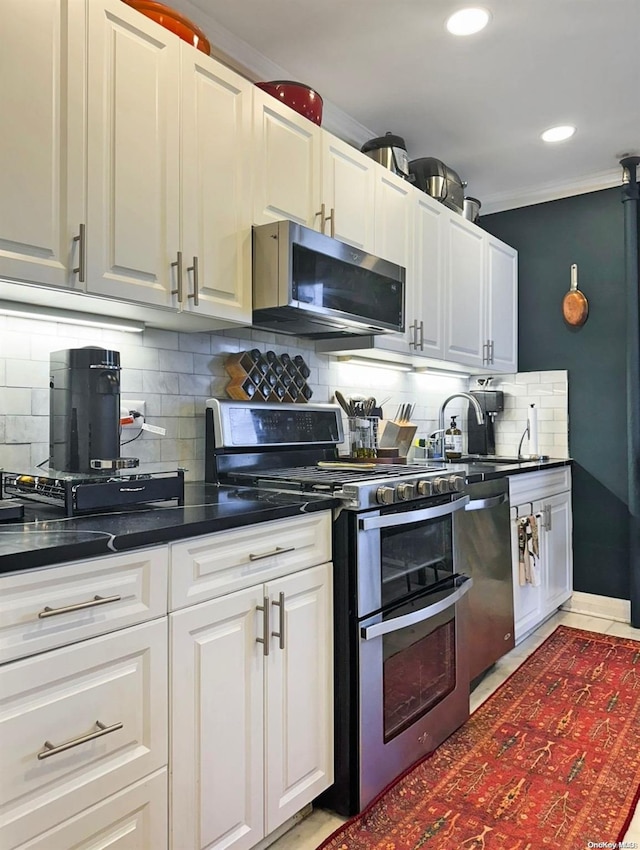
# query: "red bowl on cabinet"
305,100
172,20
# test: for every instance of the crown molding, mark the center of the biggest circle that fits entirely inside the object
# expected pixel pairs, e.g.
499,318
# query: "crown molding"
250,63
530,195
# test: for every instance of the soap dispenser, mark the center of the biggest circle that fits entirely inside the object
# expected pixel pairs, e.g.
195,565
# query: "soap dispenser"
453,441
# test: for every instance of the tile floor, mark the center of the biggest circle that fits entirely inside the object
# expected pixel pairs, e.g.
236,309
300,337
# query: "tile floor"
309,833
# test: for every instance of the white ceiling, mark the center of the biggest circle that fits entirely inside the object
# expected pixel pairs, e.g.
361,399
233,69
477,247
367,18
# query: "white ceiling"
478,103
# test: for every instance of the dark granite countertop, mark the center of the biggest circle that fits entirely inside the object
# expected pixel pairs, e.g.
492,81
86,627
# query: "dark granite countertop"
48,538
487,470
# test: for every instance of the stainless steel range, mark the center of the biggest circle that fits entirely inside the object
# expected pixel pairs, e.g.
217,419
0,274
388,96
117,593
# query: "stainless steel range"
400,605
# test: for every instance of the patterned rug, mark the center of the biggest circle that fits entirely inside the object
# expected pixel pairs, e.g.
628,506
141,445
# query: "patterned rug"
550,760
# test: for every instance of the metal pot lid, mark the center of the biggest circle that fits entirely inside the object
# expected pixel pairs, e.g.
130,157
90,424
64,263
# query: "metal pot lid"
386,141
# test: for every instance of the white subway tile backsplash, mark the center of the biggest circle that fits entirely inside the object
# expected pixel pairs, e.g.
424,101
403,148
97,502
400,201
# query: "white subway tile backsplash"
26,429
199,343
27,373
156,338
165,383
175,361
17,400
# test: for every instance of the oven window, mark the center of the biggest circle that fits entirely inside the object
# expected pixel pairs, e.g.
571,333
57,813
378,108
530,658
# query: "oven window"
415,557
419,670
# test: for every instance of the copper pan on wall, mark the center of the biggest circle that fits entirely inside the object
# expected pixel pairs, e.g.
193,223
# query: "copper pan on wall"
575,307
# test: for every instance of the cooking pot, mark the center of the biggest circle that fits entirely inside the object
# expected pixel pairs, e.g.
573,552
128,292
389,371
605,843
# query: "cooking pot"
390,151
471,208
438,180
303,99
172,20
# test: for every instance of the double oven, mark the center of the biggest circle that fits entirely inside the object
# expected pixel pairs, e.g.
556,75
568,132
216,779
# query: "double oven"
400,603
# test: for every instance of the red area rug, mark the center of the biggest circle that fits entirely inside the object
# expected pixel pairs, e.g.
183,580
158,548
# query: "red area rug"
550,760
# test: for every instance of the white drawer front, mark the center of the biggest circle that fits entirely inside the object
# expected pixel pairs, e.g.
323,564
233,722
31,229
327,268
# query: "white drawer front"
206,567
134,819
34,604
538,485
60,697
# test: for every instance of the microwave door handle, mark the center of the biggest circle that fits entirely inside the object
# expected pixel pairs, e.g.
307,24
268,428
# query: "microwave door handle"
393,520
388,626
486,504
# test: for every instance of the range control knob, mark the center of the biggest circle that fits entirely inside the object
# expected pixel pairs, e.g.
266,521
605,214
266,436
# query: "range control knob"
385,495
425,488
456,483
440,485
405,492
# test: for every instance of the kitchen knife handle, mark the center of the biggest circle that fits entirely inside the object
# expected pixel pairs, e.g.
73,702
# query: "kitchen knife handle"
179,290
264,640
81,239
323,218
79,606
52,750
196,282
281,634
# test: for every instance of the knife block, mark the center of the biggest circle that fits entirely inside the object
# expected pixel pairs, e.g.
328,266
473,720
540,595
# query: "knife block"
396,434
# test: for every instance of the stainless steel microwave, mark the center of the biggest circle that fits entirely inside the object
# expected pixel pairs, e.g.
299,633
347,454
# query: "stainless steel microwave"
309,284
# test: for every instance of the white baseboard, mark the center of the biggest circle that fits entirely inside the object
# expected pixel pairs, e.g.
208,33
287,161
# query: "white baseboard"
285,827
599,606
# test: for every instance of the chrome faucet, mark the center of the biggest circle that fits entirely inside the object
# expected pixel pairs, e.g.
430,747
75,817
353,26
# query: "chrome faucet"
472,401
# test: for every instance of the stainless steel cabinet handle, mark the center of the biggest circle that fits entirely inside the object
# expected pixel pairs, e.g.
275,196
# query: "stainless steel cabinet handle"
414,327
388,520
179,282
279,550
395,625
490,502
323,218
485,353
546,517
332,218
81,268
79,606
490,354
264,640
281,633
421,327
53,750
196,282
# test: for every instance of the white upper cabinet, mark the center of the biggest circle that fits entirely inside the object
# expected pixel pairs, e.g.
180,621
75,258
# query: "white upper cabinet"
216,189
465,338
502,305
286,164
42,70
425,278
133,155
393,217
348,192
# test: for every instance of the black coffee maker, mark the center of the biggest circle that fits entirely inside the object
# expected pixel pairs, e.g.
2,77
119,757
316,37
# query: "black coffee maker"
84,415
481,439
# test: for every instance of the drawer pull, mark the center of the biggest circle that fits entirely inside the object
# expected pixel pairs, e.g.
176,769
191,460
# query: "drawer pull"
279,550
265,639
281,633
52,750
79,606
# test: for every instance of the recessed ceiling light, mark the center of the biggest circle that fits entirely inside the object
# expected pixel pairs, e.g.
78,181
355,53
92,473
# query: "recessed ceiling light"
468,21
558,134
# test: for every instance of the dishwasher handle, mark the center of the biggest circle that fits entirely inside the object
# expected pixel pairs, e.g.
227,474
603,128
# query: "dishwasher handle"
486,504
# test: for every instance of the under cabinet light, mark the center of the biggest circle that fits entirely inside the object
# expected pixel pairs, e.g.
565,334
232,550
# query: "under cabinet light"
376,364
440,373
65,317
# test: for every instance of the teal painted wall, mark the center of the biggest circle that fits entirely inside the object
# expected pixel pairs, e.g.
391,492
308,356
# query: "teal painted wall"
587,230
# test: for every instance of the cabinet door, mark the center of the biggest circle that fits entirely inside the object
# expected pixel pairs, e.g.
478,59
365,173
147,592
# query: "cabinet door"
425,278
527,598
286,164
217,724
42,81
502,305
466,338
216,188
348,183
393,217
299,709
133,155
557,551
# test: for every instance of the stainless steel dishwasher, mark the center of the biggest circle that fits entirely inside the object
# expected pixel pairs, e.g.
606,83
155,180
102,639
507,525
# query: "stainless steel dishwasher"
483,551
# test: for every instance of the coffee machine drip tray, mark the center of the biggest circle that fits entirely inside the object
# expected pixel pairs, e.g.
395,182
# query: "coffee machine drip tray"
84,493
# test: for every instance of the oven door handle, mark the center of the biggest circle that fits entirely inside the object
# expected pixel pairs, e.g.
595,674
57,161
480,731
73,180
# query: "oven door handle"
486,504
388,626
393,520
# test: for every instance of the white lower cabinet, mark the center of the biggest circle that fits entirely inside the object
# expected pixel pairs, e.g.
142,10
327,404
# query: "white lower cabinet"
252,697
547,497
